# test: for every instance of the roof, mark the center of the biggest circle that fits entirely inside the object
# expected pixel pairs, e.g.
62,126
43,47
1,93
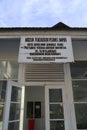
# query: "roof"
59,26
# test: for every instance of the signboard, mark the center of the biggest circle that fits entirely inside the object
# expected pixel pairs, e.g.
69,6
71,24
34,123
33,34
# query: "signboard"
45,49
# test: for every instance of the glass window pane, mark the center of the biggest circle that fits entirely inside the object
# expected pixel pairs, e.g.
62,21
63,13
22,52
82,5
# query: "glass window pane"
1,112
16,94
1,115
2,100
12,69
80,91
9,69
14,111
81,115
56,111
30,109
13,126
55,95
2,90
2,69
37,110
79,70
57,125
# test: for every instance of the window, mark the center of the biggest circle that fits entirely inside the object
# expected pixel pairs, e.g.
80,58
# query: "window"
2,100
79,84
33,109
8,70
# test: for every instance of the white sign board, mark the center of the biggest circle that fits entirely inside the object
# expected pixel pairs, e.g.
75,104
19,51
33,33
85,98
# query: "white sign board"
45,49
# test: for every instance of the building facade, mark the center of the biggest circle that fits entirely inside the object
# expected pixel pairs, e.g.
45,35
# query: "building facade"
52,95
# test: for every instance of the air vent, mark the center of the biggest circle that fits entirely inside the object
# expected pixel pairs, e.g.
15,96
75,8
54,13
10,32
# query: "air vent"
44,73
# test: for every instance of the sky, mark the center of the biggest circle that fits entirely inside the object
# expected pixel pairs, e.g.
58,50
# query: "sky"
43,13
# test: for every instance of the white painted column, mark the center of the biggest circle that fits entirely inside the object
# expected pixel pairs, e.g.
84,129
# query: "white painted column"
70,120
21,81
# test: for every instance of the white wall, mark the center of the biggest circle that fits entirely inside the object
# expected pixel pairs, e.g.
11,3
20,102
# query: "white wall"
35,94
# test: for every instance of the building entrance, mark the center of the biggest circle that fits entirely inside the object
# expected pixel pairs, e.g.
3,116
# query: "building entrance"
34,111
46,107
